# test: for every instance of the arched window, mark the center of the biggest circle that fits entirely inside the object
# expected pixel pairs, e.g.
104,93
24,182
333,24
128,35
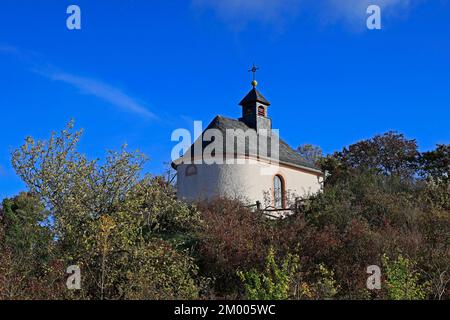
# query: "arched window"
191,170
261,111
278,192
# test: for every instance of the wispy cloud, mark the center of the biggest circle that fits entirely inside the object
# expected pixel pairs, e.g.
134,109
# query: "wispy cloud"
86,85
353,12
101,90
238,13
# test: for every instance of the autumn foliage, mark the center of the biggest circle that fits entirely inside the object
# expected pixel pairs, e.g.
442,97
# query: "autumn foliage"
384,203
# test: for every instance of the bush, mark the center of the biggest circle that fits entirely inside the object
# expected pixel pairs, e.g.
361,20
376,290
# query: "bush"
162,273
232,238
402,281
275,282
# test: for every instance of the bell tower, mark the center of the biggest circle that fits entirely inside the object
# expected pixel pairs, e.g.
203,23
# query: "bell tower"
254,107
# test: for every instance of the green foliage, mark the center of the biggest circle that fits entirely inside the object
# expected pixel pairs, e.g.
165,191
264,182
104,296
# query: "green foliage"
373,202
29,268
133,239
23,219
402,281
275,282
76,190
387,154
162,273
106,217
436,164
326,286
155,199
322,285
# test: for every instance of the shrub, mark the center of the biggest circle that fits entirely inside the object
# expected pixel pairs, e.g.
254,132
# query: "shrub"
402,280
275,282
232,237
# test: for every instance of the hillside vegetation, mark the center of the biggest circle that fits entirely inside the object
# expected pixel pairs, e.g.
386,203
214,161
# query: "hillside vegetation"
384,203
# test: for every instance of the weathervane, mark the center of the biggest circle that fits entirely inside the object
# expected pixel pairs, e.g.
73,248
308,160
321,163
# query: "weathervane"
253,70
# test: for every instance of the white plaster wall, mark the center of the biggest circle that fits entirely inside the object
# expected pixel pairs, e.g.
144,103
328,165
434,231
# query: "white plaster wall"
243,181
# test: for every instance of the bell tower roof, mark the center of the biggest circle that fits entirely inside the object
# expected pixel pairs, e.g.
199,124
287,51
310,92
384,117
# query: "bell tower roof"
254,96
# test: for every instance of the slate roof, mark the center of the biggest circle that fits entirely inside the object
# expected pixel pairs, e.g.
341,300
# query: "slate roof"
254,96
286,154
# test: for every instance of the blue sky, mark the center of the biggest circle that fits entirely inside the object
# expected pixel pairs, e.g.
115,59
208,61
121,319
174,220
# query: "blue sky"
139,69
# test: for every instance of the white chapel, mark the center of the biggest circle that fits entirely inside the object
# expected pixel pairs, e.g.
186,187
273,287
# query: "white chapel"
250,174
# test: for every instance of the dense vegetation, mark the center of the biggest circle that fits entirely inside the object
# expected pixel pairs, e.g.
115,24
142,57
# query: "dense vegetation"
384,203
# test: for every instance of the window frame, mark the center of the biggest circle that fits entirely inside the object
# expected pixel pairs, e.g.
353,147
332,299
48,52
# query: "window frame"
263,113
283,191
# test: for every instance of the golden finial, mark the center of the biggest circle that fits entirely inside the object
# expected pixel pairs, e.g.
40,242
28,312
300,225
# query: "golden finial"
253,70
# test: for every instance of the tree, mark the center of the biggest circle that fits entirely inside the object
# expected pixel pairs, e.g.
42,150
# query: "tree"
310,153
23,220
29,265
105,216
435,164
133,239
73,188
390,154
155,199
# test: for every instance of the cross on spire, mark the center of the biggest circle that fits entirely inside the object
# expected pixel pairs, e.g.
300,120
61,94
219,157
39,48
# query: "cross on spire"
253,70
